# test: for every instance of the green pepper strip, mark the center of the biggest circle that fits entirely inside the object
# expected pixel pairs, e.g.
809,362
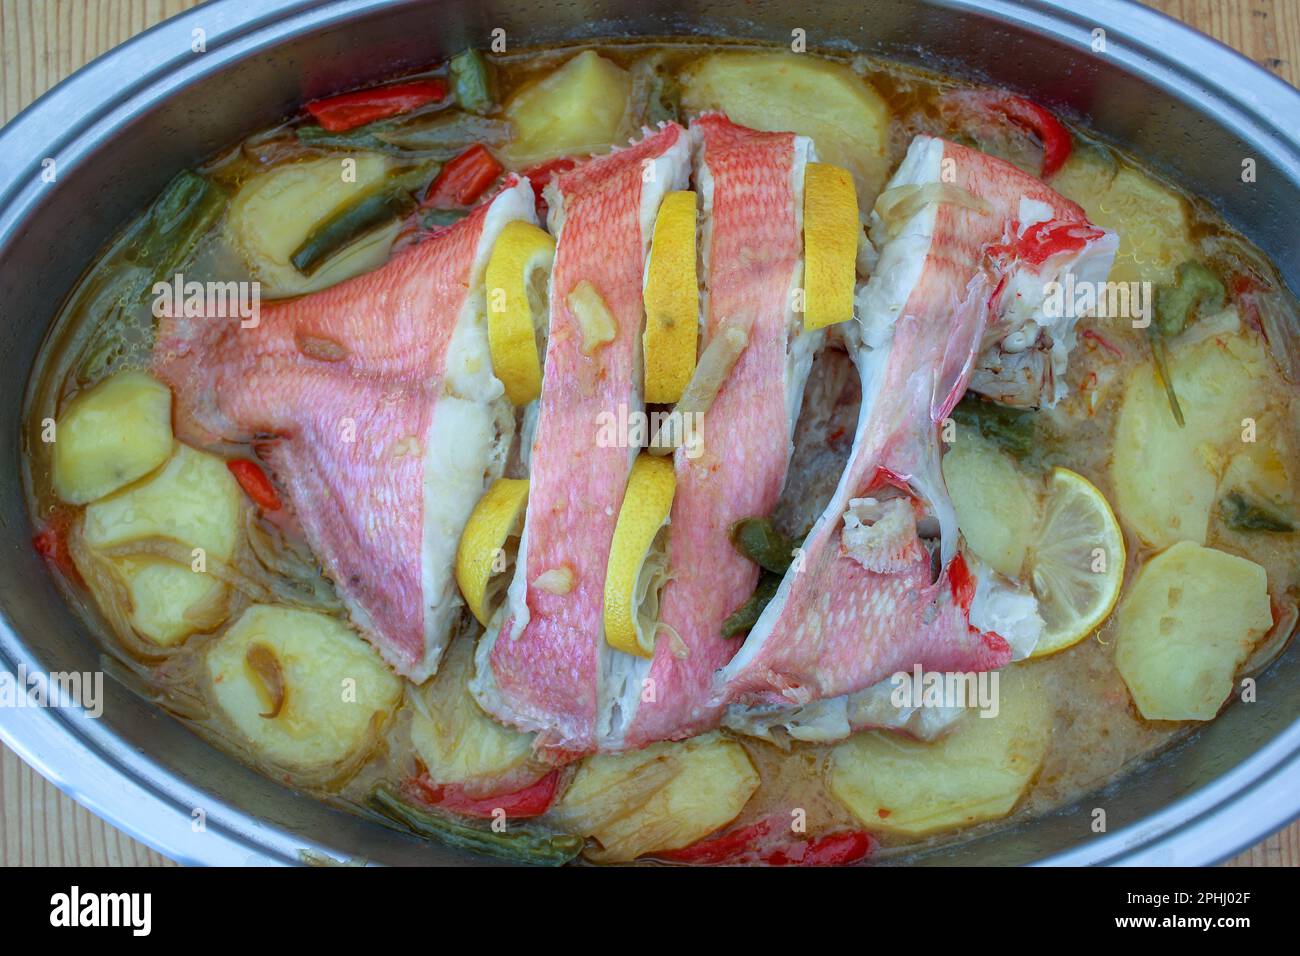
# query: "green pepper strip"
518,844
471,79
758,540
1241,514
747,615
390,201
158,245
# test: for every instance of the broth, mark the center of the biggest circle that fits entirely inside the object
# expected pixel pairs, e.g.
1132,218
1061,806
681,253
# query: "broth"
1097,731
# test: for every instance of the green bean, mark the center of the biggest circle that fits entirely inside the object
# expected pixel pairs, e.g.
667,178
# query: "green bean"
439,135
1242,514
518,844
472,81
348,225
390,201
747,615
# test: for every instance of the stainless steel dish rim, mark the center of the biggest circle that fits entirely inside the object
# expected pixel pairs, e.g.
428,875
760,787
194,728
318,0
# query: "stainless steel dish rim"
156,806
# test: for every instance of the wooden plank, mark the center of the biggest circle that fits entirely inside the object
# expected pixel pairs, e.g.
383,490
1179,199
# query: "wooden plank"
42,41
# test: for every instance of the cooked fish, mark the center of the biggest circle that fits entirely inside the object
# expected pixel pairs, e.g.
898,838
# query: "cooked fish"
542,664
377,409
862,601
752,189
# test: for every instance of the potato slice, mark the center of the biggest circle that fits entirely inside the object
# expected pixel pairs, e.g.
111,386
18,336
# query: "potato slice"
1165,477
193,499
169,602
842,113
894,784
1152,221
300,687
998,507
110,435
274,212
576,109
456,740
662,798
1189,621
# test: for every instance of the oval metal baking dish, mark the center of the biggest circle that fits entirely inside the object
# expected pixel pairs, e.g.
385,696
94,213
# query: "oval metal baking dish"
120,128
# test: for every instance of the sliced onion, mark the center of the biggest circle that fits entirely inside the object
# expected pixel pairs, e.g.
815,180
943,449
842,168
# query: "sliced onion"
716,362
265,666
897,205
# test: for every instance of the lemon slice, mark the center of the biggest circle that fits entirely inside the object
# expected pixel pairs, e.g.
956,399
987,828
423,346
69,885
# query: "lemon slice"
638,560
1076,565
671,301
483,555
830,243
516,278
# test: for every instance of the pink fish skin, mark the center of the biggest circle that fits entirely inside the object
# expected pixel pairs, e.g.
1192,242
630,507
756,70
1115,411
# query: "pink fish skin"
539,667
342,389
752,187
835,627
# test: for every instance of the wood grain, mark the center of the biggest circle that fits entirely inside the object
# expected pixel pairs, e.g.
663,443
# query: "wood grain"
42,41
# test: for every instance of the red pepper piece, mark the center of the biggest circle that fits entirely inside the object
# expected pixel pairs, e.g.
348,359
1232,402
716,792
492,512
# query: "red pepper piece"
350,110
834,849
51,543
463,179
1046,128
255,483
542,174
1030,117
532,801
762,842
961,581
737,846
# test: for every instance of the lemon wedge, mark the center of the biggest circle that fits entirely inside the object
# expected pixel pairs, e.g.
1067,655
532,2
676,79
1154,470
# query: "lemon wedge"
1076,564
516,277
483,555
638,560
830,242
671,301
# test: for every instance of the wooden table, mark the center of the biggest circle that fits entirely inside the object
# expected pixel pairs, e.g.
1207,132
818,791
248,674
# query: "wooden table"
42,41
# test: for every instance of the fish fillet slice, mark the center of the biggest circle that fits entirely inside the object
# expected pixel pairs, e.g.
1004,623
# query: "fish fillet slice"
751,184
380,416
540,666
835,627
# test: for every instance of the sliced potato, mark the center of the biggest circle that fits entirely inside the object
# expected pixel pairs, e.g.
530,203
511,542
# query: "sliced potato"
192,499
1153,222
456,740
1166,478
576,109
998,507
662,798
110,435
274,212
1189,621
845,117
300,687
894,784
169,602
